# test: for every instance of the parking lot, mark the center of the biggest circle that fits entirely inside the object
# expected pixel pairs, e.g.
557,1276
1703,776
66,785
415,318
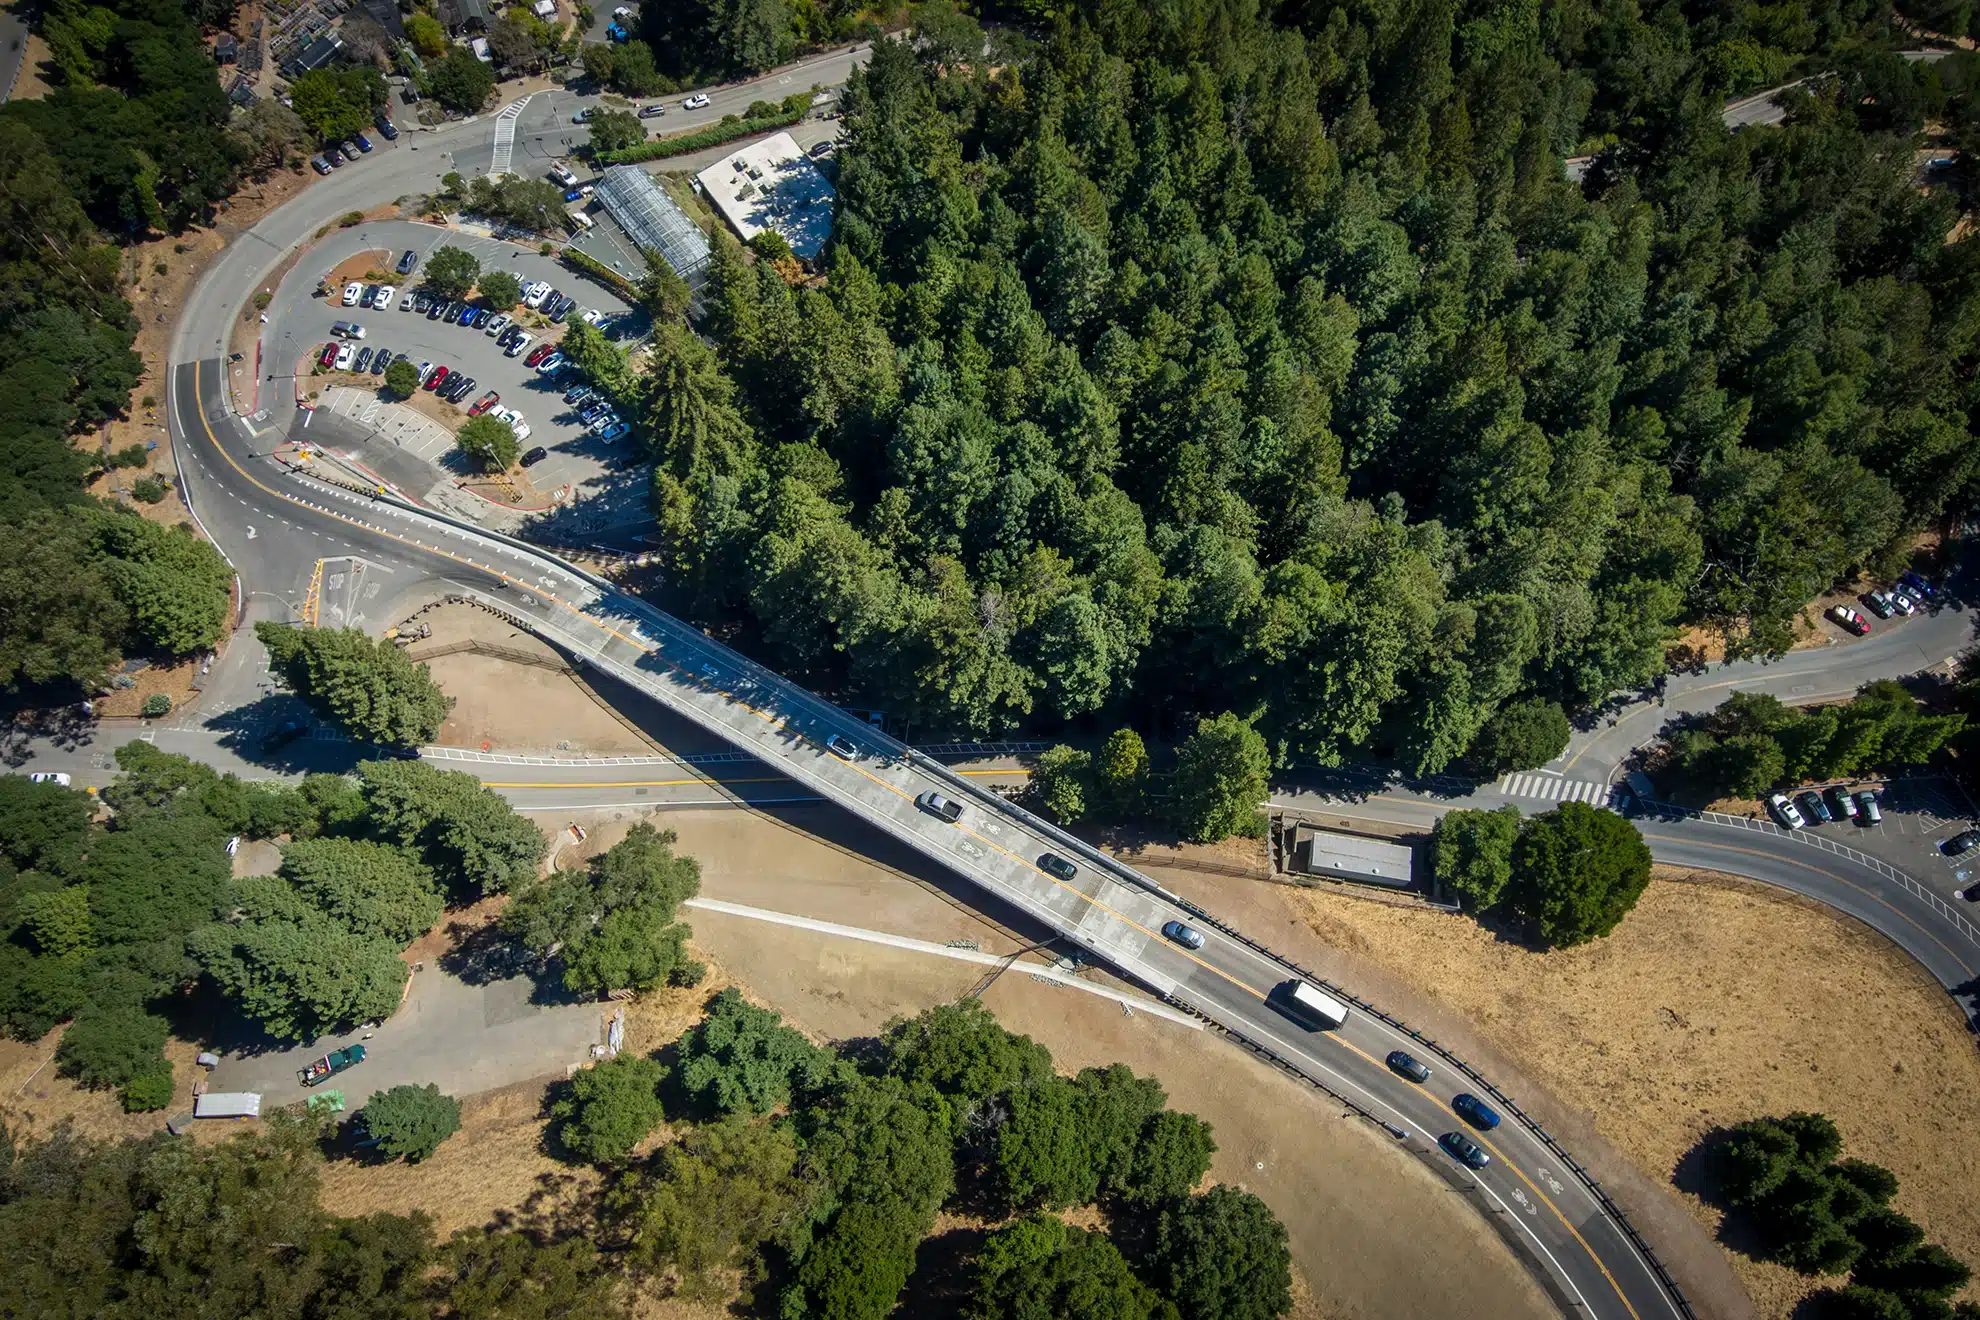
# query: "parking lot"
301,323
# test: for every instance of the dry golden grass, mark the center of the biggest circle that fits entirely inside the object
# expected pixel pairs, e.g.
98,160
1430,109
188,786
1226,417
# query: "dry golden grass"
1716,1001
35,1100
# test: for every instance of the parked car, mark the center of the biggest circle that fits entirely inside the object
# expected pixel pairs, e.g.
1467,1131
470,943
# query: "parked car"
350,151
533,297
537,355
437,379
1187,936
821,150
425,370
1813,808
1407,1066
498,325
387,127
436,309
276,739
1054,865
695,102
459,388
593,318
55,777
1873,814
577,394
937,805
652,111
369,298
1918,586
1474,1111
603,423
535,456
1903,603
484,403
1464,1150
1841,805
421,303
322,166
453,312
1880,604
1963,842
518,343
363,361
563,310
353,292
583,116
842,747
346,352
328,357
363,143
380,361
1849,619
592,411
551,363
406,302
331,1064
615,432
1785,811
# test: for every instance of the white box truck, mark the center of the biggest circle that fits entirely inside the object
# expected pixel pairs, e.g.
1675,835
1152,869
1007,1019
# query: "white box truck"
1308,1007
227,1104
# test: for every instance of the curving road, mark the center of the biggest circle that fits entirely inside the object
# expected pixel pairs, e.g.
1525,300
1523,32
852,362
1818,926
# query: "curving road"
1580,1249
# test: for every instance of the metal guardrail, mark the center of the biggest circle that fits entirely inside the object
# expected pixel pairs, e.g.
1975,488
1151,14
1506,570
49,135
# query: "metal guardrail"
1811,840
755,676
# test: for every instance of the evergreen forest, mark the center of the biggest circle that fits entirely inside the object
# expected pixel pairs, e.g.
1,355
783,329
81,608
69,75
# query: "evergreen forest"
1207,356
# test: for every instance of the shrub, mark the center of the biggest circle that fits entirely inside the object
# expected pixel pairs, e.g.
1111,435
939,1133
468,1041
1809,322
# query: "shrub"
350,219
150,1089
150,490
107,1048
160,268
155,705
611,1108
262,299
147,402
130,456
728,130
409,1122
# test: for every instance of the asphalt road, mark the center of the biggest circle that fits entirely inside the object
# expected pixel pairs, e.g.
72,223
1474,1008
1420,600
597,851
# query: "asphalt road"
275,525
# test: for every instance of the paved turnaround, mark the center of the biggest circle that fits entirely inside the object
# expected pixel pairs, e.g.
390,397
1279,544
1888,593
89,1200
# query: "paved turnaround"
1579,1246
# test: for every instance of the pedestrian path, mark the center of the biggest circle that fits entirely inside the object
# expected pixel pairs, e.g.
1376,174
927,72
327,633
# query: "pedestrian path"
1553,789
505,138
403,426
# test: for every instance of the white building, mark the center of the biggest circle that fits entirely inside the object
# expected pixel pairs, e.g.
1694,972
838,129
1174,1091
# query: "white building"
772,185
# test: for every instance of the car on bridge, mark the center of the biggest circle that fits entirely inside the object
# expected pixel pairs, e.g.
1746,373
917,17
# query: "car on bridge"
1056,866
1407,1066
1464,1150
936,805
1187,936
1474,1111
843,748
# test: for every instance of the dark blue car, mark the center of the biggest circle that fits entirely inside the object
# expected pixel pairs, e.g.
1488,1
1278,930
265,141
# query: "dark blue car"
1475,1111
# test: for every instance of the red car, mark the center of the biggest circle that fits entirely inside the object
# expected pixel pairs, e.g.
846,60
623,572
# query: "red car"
437,379
538,353
1850,619
484,403
328,358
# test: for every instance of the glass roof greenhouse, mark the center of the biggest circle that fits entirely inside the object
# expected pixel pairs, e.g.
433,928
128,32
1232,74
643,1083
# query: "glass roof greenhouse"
650,218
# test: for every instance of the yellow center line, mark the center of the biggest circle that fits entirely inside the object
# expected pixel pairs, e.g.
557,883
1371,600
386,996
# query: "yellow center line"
647,649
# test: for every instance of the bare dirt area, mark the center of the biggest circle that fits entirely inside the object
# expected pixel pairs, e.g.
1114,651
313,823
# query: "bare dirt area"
1704,1009
1340,1188
35,1099
515,705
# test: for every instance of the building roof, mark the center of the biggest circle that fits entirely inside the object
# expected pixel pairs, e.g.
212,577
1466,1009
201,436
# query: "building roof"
1355,857
772,185
635,200
457,14
225,48
385,13
315,55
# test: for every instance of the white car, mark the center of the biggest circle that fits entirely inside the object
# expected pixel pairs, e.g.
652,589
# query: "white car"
405,303
498,325
385,295
593,318
520,346
615,433
353,292
49,777
562,174
622,12
1785,811
425,370
695,102
604,424
515,420
345,352
536,293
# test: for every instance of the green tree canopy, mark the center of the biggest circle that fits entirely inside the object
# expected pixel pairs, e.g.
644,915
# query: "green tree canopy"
1578,870
610,1108
1039,1267
338,103
372,890
1223,1256
489,442
410,1122
366,685
402,378
741,1059
450,271
460,81
1063,781
714,1198
466,833
499,289
1220,778
1522,736
615,130
1471,852
613,922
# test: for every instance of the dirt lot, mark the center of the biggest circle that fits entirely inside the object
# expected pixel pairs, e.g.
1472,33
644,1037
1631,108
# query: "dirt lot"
1703,1009
516,707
